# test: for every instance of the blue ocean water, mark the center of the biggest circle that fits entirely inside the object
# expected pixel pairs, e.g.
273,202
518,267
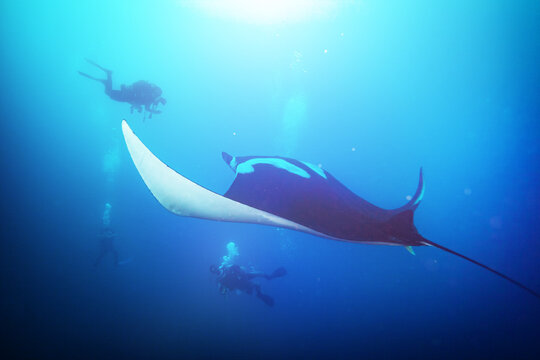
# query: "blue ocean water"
371,90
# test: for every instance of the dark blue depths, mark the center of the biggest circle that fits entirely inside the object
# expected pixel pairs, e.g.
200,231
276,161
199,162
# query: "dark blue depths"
371,92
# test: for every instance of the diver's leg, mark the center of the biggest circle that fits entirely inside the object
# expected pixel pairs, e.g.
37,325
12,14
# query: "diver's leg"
256,274
257,288
98,66
92,78
268,300
100,257
108,83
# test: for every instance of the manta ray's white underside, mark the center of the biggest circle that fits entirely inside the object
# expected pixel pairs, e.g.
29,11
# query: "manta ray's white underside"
183,197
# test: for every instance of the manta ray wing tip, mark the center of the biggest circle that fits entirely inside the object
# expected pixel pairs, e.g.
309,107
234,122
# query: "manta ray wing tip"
125,126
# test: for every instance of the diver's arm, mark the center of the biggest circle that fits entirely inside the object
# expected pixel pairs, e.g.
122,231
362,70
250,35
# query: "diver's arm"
155,104
152,110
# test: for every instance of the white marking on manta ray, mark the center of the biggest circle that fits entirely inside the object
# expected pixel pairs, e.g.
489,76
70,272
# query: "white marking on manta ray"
316,169
233,163
247,166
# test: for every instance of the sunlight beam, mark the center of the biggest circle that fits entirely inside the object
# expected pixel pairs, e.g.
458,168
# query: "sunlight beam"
267,12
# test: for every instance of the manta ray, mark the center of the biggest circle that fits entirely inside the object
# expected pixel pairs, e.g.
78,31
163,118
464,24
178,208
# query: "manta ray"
286,193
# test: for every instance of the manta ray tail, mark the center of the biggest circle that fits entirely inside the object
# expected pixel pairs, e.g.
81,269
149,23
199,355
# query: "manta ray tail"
515,282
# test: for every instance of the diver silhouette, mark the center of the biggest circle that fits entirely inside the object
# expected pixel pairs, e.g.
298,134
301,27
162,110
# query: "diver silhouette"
141,95
232,277
106,246
107,238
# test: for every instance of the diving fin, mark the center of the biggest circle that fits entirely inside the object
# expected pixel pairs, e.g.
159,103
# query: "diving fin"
98,66
266,299
90,77
279,272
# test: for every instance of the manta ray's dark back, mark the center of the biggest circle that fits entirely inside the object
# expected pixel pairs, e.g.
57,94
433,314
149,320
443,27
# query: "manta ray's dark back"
310,196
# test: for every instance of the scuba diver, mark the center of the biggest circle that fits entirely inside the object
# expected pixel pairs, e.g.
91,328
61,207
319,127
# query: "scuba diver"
107,238
233,277
140,95
106,242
